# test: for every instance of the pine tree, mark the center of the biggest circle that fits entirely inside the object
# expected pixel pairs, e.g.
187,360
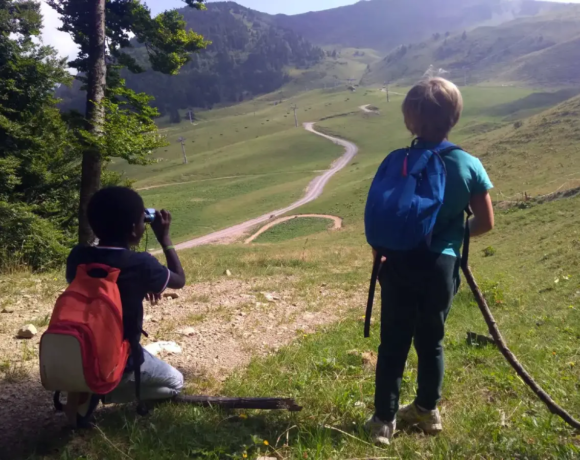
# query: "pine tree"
102,29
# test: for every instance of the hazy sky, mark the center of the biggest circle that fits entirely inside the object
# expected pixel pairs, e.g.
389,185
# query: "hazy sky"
66,47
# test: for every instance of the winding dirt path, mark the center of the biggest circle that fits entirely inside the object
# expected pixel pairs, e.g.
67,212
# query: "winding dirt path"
337,223
314,190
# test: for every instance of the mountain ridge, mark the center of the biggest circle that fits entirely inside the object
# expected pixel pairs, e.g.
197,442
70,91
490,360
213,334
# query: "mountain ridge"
412,20
541,50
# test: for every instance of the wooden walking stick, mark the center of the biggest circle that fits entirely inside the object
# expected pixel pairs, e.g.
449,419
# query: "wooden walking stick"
241,403
553,407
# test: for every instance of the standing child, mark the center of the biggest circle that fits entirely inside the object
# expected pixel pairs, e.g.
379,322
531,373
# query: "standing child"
419,281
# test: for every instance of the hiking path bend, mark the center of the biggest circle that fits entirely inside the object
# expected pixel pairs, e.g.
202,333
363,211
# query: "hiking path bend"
314,190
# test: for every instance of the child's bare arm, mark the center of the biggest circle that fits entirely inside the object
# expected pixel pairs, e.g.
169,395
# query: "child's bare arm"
483,219
161,226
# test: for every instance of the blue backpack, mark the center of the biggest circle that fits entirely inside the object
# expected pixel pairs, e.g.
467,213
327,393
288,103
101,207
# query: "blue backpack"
403,203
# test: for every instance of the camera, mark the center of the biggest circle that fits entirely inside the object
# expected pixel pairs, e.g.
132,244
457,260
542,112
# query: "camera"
149,215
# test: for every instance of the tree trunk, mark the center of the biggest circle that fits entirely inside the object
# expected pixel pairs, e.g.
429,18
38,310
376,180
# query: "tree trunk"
97,80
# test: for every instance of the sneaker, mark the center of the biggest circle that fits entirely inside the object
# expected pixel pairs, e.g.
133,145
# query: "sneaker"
381,432
427,421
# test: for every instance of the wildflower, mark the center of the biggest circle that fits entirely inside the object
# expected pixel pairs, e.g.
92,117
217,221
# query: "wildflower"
557,280
243,416
266,443
245,455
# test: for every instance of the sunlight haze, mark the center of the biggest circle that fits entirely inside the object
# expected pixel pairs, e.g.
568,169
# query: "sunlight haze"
62,42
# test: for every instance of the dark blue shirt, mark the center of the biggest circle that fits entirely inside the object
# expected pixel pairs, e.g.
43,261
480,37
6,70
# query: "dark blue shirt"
141,273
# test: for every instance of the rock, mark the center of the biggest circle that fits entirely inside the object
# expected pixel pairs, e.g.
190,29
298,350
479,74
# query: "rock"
147,318
360,404
158,347
369,360
228,273
27,332
271,297
187,331
8,310
171,295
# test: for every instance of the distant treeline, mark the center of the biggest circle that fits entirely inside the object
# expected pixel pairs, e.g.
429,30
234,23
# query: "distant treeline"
248,56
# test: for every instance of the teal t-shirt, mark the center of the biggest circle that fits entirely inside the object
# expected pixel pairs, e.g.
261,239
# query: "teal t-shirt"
466,177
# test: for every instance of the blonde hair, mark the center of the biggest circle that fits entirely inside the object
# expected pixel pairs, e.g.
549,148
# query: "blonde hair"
432,108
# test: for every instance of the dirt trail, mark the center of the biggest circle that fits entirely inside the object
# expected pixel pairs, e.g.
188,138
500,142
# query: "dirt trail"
314,190
337,223
220,326
365,109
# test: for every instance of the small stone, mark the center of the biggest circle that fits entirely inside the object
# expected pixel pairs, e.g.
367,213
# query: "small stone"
27,332
228,273
158,347
188,331
171,295
8,310
148,318
271,297
369,360
360,404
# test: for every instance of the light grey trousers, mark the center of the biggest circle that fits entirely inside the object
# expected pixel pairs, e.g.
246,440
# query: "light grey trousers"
159,380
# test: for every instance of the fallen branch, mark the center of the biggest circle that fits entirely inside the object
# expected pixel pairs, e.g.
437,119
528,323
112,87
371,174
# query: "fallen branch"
511,358
241,403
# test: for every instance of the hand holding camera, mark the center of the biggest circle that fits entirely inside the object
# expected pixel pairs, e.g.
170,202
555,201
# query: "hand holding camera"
160,226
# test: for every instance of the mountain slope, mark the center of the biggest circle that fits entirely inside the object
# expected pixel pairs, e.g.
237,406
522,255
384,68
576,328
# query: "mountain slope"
513,154
249,55
384,24
540,50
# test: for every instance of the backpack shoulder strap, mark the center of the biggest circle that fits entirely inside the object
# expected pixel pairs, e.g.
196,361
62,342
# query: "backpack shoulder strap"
448,149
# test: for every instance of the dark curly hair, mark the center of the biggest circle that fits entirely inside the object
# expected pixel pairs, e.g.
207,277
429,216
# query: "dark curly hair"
112,213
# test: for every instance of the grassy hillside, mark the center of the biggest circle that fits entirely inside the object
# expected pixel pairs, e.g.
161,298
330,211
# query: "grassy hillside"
385,24
531,282
541,50
528,269
248,56
536,156
248,158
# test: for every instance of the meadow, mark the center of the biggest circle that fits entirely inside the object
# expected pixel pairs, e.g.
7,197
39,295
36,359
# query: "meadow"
528,267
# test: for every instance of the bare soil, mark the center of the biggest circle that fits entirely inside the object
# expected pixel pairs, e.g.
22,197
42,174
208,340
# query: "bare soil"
220,327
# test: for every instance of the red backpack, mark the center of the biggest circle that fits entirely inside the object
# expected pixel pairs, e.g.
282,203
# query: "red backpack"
83,350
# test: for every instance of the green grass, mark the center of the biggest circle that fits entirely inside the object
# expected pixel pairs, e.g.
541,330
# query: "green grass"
295,228
488,412
531,278
243,161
